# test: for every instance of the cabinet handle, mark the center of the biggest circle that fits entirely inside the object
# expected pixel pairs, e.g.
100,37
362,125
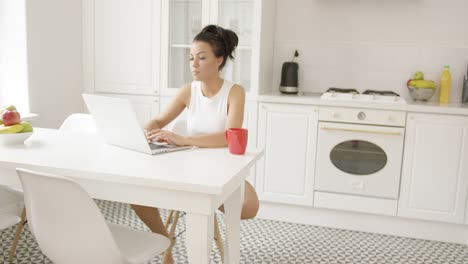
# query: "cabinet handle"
362,131
156,100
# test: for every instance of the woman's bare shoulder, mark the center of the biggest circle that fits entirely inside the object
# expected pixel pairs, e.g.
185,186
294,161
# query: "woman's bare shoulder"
184,93
237,92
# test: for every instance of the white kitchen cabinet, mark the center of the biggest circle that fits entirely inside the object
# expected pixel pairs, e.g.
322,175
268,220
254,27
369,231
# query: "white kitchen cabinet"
121,46
466,213
143,47
251,122
146,107
435,168
288,134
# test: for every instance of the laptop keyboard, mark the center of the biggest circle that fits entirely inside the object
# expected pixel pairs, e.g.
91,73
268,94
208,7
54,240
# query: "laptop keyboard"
154,146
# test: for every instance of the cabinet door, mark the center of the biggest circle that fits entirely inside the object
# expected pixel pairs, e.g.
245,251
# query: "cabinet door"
435,168
466,213
238,16
146,107
121,46
288,134
182,21
250,122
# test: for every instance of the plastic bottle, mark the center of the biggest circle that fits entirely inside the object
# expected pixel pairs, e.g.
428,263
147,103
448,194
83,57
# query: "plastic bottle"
445,82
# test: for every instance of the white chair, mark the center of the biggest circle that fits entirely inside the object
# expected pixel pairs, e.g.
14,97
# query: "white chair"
79,123
70,228
8,220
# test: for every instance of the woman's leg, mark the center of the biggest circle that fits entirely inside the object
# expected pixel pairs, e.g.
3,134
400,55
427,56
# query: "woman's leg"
250,205
151,217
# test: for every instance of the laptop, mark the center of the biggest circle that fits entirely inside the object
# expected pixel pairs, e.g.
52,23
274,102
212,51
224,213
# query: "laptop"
117,122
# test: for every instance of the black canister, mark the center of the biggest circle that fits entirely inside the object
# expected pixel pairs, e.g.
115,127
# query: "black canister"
289,76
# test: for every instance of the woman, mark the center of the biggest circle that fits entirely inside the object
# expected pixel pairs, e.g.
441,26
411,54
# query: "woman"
213,105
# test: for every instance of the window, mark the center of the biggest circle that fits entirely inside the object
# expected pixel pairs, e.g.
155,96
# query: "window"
13,55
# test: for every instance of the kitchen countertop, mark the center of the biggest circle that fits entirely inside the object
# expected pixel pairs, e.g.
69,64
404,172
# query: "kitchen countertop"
409,106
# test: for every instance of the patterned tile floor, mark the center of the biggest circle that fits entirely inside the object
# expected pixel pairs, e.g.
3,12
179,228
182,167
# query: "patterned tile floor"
270,242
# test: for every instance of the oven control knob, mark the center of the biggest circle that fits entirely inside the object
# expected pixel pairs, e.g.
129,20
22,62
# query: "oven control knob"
361,116
334,114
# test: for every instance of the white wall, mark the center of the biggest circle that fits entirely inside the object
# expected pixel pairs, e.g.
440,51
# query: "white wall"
55,59
372,44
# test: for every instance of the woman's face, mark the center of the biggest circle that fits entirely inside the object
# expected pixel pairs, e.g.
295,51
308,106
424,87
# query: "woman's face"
203,62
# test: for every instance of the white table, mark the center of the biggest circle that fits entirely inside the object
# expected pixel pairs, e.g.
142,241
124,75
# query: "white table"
196,181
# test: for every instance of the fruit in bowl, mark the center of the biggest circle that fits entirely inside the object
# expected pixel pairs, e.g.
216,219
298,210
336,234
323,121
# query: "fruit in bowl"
12,129
420,89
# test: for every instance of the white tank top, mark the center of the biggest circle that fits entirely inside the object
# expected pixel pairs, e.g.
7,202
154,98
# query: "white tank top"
207,115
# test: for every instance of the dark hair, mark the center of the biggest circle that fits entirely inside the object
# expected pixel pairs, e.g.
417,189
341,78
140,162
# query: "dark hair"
223,41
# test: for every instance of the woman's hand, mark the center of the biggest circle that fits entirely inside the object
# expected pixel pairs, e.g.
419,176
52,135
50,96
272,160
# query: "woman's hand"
160,135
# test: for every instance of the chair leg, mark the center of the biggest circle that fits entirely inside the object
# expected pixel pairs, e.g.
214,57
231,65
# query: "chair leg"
218,239
168,220
19,228
171,235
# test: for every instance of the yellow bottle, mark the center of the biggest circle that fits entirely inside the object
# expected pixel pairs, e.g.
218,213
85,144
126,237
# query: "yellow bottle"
445,82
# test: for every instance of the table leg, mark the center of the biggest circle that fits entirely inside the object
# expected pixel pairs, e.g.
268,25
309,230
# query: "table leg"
233,207
199,237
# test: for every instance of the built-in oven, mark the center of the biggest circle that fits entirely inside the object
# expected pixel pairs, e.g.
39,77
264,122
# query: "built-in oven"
359,151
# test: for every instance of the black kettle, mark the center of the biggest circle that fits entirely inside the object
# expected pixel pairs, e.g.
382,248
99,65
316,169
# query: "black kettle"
289,76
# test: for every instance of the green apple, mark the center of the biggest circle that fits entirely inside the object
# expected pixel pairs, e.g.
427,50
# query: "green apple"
27,127
10,107
419,75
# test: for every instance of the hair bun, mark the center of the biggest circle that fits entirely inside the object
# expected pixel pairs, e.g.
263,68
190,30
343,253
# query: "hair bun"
230,40
223,41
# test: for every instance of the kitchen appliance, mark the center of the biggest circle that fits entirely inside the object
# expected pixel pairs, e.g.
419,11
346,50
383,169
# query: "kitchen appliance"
289,76
373,96
359,151
465,88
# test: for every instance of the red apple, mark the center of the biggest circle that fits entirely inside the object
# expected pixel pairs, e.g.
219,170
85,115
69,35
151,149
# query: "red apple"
407,83
11,118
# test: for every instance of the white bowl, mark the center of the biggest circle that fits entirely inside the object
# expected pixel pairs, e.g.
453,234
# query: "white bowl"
421,94
14,139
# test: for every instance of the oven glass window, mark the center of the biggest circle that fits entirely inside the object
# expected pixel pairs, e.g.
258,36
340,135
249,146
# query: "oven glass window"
358,157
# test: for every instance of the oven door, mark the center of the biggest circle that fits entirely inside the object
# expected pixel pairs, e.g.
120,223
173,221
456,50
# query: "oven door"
359,159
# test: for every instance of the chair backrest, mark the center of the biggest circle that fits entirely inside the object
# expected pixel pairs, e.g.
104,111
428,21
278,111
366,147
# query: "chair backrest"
83,123
66,222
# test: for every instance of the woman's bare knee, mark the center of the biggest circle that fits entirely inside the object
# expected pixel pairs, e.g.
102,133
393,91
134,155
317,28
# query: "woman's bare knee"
249,210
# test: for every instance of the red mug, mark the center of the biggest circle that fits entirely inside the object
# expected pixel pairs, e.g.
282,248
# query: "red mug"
237,140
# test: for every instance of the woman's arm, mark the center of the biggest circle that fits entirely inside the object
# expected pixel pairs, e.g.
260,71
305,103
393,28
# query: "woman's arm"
235,118
175,107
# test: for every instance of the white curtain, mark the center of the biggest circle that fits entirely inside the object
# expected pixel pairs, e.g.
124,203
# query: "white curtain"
13,55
